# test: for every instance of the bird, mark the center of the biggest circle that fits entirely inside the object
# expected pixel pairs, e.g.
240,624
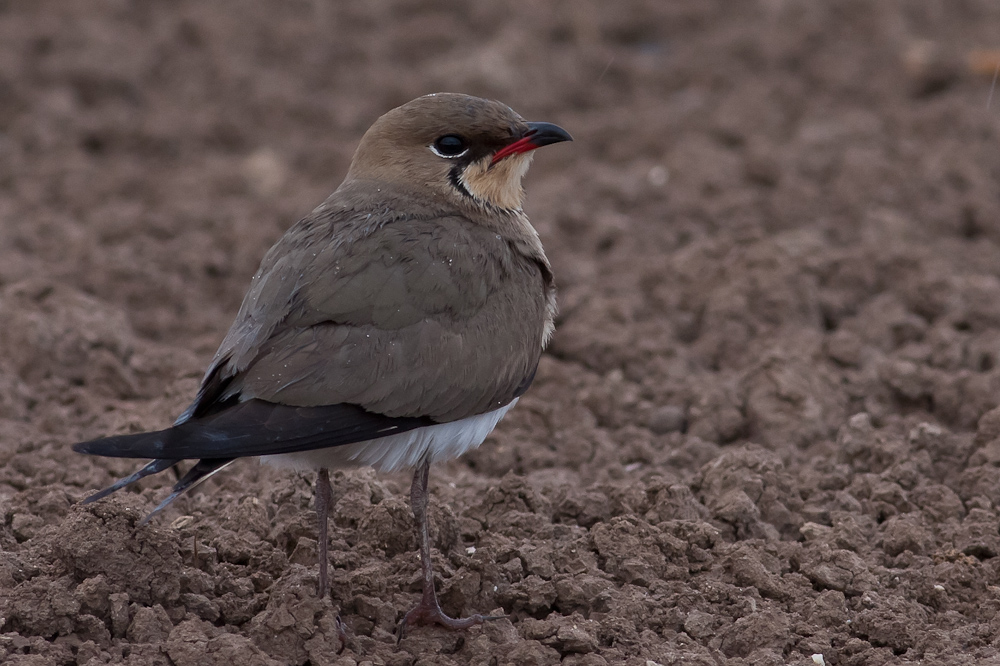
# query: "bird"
392,327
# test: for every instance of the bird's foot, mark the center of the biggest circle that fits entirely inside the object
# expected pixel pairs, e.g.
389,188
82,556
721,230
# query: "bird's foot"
429,612
341,633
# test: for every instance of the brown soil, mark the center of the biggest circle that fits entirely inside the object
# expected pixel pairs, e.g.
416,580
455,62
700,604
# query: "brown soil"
768,425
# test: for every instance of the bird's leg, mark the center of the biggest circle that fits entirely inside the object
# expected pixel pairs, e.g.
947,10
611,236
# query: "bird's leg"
324,499
324,494
428,611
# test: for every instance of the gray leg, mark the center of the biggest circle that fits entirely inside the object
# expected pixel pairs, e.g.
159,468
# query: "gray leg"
324,494
428,611
324,500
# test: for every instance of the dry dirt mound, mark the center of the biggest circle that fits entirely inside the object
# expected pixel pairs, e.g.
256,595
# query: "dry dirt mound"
767,428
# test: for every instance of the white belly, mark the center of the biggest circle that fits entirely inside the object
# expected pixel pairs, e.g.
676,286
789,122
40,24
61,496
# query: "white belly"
407,449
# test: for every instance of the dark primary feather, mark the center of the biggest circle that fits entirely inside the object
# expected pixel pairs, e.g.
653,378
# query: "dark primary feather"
255,428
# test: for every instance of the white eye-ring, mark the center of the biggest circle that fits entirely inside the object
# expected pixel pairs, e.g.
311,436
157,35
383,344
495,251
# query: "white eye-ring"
449,146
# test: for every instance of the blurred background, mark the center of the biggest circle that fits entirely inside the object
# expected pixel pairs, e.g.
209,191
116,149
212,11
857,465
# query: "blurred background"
777,242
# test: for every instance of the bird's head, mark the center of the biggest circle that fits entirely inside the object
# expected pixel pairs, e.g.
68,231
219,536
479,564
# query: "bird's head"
472,150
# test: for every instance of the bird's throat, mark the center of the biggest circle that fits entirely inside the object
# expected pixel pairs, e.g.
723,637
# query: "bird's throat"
498,184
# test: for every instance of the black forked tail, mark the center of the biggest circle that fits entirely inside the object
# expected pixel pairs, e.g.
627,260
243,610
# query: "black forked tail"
201,471
152,468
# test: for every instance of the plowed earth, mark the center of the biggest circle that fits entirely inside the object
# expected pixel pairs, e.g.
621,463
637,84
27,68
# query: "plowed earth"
767,428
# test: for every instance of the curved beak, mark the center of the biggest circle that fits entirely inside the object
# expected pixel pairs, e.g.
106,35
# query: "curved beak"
538,135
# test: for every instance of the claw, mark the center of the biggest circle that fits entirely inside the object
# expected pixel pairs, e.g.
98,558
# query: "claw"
341,634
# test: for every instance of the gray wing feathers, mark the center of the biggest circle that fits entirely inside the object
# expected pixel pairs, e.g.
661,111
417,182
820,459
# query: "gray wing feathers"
398,323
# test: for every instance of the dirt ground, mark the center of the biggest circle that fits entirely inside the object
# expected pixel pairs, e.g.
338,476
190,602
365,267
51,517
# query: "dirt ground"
767,428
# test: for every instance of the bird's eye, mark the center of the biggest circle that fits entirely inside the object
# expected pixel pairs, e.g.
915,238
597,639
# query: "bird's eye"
449,145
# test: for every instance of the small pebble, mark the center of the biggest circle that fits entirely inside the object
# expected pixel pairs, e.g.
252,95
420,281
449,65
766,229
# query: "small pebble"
669,418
